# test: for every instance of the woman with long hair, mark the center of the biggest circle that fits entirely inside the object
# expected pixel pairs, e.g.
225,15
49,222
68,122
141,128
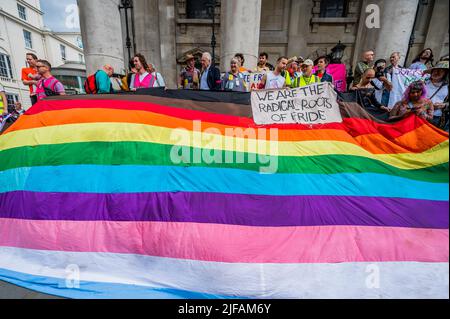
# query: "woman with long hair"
423,61
143,78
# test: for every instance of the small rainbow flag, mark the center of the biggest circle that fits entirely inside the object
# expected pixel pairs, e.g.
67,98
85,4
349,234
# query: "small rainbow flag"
139,196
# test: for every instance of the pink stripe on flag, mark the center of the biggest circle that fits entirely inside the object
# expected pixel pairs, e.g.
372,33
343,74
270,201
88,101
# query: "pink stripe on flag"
231,243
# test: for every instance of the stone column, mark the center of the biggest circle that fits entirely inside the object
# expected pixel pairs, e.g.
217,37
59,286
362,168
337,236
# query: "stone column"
396,25
298,27
168,68
102,34
240,25
146,21
438,28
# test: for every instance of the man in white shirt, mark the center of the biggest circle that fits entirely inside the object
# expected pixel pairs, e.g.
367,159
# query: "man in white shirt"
275,79
206,61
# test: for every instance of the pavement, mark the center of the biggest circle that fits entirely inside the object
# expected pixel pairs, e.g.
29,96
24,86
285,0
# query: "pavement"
9,291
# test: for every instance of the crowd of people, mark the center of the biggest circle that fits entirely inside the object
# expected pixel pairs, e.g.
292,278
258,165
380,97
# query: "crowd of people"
372,81
426,98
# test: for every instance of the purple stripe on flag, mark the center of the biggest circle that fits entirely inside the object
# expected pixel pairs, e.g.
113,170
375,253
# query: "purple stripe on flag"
236,209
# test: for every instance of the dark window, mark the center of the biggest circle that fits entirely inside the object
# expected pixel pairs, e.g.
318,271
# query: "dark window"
12,98
333,8
198,9
63,51
22,12
5,66
28,41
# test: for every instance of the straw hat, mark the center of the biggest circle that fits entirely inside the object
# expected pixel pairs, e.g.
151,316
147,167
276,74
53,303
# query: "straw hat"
189,57
439,65
293,59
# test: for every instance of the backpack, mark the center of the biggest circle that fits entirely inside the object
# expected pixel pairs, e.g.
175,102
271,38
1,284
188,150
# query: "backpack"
90,85
50,90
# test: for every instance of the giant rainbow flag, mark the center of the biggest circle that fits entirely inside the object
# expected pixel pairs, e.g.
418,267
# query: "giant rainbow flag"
125,196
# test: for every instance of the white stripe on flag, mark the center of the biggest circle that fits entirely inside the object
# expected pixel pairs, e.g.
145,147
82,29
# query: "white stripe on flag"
339,280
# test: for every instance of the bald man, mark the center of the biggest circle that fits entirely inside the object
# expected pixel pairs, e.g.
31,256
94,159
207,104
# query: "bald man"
366,62
102,79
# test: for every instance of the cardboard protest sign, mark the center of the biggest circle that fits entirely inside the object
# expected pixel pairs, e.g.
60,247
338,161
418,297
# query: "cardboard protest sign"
312,104
401,79
253,80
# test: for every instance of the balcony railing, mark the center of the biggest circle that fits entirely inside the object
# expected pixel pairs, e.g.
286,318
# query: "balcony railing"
7,80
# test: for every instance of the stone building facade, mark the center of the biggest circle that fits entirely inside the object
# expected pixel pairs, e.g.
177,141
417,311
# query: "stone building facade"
22,31
166,30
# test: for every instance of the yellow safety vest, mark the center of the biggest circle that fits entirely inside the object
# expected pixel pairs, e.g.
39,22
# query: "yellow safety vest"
301,81
288,81
1,105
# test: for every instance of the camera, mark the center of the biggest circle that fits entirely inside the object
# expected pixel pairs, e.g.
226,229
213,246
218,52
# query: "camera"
379,68
379,72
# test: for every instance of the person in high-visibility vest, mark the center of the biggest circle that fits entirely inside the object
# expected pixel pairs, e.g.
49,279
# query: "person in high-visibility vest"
307,77
3,101
287,77
292,71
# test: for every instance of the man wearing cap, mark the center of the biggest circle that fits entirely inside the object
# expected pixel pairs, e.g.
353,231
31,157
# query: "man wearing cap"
437,89
189,76
307,77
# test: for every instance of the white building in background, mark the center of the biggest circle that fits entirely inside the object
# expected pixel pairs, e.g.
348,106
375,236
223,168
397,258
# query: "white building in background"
21,31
